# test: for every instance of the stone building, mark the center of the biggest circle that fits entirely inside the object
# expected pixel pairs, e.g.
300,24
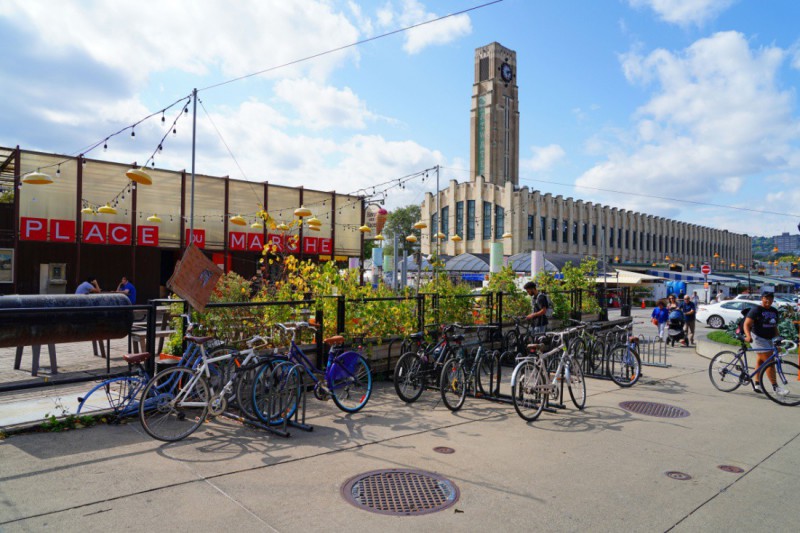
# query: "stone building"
491,207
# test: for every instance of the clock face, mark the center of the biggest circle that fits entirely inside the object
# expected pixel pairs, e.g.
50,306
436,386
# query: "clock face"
505,72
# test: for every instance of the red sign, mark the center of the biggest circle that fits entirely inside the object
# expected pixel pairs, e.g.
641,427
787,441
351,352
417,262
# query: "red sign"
62,230
94,232
199,238
147,235
705,269
119,234
32,229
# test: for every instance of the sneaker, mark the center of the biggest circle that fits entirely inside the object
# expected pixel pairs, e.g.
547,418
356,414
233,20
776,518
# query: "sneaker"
757,388
780,391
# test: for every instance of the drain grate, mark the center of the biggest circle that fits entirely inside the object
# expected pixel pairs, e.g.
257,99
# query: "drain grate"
680,476
400,491
730,468
444,449
661,410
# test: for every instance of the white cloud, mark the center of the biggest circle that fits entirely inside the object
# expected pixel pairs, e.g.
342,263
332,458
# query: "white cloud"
321,106
544,157
716,124
417,39
684,12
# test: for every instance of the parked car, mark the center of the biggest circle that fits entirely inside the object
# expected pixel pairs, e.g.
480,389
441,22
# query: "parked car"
779,302
718,315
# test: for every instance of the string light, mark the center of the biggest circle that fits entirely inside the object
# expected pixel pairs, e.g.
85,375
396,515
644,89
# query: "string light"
133,133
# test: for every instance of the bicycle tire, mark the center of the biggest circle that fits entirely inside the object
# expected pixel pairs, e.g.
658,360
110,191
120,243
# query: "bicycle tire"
576,385
276,392
409,377
453,384
595,361
488,373
725,371
244,388
624,366
117,397
526,390
511,341
162,419
350,389
577,348
787,376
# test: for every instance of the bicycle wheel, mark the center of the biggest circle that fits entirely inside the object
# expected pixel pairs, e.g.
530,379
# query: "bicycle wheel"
488,370
220,372
576,385
624,366
350,382
179,404
453,384
787,389
726,371
526,390
511,341
275,392
409,377
114,394
595,361
245,379
577,348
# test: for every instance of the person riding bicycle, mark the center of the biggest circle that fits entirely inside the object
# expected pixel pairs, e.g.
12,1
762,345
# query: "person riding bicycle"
538,315
760,327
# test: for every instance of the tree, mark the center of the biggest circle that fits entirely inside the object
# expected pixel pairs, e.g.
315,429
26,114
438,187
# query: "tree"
401,222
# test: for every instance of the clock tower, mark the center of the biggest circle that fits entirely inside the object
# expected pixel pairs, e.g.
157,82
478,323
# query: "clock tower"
494,117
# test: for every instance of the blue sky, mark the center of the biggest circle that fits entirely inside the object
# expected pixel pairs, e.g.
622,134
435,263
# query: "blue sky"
677,103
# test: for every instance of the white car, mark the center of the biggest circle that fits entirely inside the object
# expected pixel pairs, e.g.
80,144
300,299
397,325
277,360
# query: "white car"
720,314
779,302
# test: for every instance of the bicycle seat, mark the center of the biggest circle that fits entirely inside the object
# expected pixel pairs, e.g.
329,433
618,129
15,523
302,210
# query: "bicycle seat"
198,340
458,338
334,341
534,347
418,336
135,358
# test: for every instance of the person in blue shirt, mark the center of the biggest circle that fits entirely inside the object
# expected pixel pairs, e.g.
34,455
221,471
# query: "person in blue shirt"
660,315
127,288
689,313
89,286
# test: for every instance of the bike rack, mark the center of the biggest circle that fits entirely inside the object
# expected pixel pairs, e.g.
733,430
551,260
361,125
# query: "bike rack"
652,352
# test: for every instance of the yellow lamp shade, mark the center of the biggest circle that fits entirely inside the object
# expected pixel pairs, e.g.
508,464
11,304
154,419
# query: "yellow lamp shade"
37,178
154,219
364,229
507,235
313,227
314,221
440,235
257,225
411,238
282,227
301,212
420,225
139,176
238,220
107,210
456,238
87,210
378,237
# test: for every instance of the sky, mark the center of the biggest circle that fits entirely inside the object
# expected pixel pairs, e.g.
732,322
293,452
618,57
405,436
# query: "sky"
686,109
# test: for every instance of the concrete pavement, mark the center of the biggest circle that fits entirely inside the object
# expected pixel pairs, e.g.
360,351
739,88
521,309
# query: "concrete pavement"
601,469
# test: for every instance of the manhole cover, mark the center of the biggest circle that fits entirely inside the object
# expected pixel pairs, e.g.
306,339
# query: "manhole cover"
732,469
662,410
680,476
400,491
444,449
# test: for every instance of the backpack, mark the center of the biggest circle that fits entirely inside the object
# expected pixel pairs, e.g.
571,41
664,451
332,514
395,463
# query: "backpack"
549,312
739,331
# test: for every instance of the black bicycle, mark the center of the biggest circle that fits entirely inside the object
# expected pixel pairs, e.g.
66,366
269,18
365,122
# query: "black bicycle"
418,370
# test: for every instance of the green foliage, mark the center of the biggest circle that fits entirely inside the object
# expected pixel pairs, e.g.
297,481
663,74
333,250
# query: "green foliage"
577,278
723,337
516,301
401,222
63,420
7,196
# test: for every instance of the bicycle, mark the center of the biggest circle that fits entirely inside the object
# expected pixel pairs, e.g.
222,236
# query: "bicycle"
415,371
121,393
587,348
623,364
531,385
455,381
729,370
346,379
518,337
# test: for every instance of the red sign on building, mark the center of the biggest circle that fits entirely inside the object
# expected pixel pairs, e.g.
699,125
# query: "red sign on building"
62,230
32,229
94,232
199,238
147,235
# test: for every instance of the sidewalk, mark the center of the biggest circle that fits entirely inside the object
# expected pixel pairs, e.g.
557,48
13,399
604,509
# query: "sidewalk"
601,469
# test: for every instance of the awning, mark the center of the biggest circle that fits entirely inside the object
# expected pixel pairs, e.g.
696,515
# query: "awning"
694,277
767,280
626,277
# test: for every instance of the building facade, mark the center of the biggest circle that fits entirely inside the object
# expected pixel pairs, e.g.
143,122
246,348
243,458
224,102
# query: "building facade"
787,243
491,207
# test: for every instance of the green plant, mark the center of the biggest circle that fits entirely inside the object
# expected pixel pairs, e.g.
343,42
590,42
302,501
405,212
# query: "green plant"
63,420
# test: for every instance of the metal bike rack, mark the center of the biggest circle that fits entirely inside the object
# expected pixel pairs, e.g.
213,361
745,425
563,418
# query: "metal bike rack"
652,352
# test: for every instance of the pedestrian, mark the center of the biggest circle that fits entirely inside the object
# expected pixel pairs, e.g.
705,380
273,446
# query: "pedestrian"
659,318
538,315
720,296
672,303
695,299
89,286
760,327
127,288
690,314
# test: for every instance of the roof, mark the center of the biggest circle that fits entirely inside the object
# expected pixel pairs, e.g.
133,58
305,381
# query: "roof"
521,262
626,277
694,277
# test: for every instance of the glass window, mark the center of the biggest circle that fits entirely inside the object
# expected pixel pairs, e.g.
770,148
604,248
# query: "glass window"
499,222
446,221
574,233
611,238
585,233
459,229
530,227
543,228
487,220
594,234
470,220
554,230
564,231
434,225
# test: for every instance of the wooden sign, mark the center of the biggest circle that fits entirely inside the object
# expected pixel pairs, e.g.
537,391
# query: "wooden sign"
194,278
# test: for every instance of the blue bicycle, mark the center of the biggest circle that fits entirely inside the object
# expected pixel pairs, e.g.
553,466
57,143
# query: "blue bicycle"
120,394
728,370
346,379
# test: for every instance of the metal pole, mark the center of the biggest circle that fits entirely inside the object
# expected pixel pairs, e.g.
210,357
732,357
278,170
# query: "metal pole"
394,265
438,215
194,146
